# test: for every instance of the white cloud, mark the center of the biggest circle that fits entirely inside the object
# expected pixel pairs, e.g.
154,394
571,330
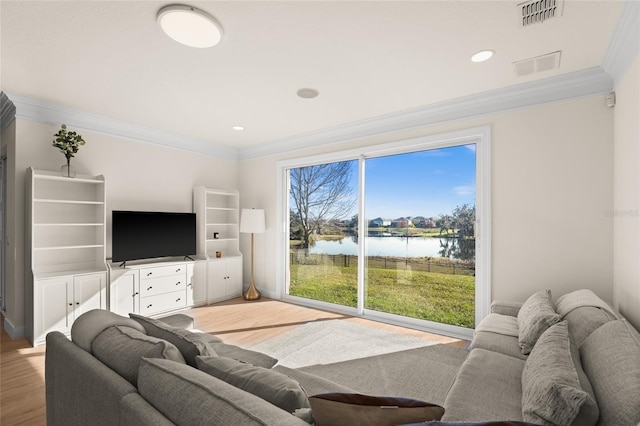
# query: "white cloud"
464,190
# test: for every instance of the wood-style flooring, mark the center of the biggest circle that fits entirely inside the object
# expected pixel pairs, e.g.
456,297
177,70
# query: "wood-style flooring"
22,399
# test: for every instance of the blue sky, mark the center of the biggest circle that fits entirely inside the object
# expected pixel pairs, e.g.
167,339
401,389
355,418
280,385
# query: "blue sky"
425,183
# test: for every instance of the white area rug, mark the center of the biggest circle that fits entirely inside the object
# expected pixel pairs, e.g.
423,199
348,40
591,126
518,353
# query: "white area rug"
324,342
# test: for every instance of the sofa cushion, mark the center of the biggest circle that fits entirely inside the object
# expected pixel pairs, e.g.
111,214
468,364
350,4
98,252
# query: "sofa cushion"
311,383
190,344
551,390
498,333
248,356
269,385
611,359
534,317
91,323
339,409
187,396
468,399
585,312
121,349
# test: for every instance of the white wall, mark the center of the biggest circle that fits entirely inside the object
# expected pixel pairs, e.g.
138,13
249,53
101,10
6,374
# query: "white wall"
139,176
552,174
626,190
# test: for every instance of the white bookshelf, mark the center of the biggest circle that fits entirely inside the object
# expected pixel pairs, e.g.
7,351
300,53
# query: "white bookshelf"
66,249
218,231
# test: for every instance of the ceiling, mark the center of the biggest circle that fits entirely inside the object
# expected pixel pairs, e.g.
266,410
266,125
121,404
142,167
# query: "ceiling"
366,59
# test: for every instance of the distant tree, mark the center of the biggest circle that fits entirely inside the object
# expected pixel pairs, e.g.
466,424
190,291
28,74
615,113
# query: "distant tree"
446,223
319,194
464,220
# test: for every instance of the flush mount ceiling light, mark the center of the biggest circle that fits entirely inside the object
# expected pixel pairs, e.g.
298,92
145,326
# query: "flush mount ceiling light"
238,128
482,55
189,26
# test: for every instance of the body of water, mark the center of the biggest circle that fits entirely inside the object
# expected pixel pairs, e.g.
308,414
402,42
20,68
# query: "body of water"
384,246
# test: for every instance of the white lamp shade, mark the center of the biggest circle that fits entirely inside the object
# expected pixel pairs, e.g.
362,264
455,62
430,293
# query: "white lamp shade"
252,221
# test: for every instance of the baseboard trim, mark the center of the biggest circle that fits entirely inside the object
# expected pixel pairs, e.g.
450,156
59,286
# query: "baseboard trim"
13,331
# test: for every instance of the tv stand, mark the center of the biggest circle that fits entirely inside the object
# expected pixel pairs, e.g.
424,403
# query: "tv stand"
157,286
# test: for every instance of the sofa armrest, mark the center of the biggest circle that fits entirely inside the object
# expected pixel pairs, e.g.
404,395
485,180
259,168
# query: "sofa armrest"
505,308
80,390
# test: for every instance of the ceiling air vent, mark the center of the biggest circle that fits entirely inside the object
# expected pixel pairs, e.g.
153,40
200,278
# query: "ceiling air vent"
550,61
533,12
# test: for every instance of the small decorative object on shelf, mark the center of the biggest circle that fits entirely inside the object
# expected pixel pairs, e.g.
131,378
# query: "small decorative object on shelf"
218,254
68,142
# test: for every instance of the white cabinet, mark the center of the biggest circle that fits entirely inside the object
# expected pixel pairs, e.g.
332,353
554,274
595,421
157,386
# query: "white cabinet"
154,288
124,291
218,233
224,279
65,240
59,301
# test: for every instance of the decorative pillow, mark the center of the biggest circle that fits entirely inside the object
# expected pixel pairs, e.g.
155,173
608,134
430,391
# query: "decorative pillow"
534,317
121,349
551,392
352,409
187,396
244,355
611,358
88,325
190,344
269,385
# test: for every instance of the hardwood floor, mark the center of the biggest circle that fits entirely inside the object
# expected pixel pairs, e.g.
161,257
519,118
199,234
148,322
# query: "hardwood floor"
22,400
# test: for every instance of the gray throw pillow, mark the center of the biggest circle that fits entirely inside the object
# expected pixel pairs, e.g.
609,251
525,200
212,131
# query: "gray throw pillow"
189,343
534,317
122,348
269,385
188,397
611,358
551,391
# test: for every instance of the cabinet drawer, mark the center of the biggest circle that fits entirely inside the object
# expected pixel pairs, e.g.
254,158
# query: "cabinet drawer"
163,302
162,271
151,287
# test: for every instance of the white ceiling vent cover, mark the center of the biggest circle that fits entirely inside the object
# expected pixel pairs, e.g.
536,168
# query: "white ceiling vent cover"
548,62
533,12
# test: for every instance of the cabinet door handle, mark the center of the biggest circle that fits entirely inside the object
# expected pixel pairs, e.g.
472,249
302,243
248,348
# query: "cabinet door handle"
70,304
178,283
77,303
178,270
149,274
150,305
149,288
135,294
178,299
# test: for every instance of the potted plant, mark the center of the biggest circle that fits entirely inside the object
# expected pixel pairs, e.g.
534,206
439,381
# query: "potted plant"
68,142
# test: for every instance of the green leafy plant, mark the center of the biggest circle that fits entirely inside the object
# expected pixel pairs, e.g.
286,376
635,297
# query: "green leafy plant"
68,142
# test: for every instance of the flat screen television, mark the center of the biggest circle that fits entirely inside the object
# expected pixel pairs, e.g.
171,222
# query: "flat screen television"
145,235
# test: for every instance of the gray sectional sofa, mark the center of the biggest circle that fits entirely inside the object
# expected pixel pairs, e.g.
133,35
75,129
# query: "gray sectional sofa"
570,361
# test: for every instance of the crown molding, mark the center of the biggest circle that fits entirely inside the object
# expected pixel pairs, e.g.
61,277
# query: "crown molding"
589,82
625,42
44,112
7,111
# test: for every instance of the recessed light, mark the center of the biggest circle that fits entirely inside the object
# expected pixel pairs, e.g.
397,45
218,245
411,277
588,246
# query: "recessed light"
482,55
189,26
238,128
307,93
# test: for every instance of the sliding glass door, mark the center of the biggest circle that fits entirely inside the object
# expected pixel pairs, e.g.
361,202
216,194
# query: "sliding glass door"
323,229
420,242
397,233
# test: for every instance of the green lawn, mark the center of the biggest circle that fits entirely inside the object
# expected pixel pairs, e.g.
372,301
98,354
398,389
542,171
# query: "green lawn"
433,296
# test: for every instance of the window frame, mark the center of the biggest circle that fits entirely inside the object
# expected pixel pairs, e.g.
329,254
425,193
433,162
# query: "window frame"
481,136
